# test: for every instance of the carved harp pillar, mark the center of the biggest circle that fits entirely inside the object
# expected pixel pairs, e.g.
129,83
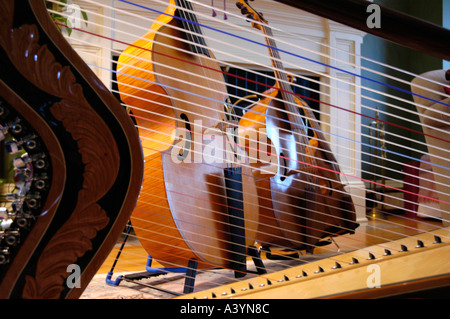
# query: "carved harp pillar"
83,153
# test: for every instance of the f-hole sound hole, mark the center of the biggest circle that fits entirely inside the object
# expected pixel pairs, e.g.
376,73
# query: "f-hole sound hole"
184,152
284,167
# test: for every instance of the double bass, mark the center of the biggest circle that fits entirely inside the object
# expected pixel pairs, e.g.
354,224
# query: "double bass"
299,181
177,93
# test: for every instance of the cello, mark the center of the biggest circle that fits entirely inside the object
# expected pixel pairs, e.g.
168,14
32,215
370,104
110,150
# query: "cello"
301,177
173,84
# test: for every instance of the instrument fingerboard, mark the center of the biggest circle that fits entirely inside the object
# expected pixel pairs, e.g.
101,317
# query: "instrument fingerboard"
191,25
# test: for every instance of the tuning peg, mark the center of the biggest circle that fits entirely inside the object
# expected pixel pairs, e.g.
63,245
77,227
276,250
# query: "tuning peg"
337,266
420,244
319,270
239,5
437,240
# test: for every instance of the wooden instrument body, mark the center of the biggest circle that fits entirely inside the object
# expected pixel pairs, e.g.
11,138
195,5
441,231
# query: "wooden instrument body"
304,203
93,157
178,99
308,202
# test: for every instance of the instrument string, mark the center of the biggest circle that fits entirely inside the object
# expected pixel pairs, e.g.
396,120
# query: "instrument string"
299,56
194,133
411,158
150,220
181,185
218,212
303,259
390,123
320,53
324,47
407,128
273,154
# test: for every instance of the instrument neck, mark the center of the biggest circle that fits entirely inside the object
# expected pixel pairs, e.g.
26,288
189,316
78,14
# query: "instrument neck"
296,122
190,24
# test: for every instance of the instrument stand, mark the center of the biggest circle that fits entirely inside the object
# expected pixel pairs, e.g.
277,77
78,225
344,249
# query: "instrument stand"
256,256
190,271
236,220
271,256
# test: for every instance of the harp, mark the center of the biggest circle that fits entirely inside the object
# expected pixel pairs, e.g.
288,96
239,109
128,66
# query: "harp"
348,87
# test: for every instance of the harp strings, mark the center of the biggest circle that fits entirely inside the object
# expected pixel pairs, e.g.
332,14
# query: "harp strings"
209,39
256,92
405,128
393,124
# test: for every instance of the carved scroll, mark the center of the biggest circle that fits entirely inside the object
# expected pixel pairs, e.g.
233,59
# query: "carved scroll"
102,155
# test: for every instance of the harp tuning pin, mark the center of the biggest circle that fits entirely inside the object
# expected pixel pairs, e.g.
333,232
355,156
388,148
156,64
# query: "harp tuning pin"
437,240
404,248
337,266
420,244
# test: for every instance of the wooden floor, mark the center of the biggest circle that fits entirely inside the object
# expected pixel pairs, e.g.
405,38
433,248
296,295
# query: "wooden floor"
379,229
